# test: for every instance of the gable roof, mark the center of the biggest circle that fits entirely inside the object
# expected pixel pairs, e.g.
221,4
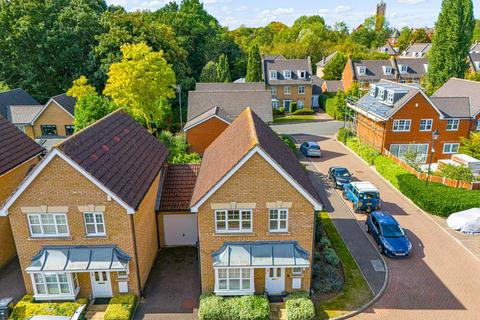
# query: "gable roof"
248,135
230,86
474,58
475,48
66,102
462,88
325,60
177,187
21,114
15,147
215,112
281,64
453,107
374,69
415,48
387,48
15,97
333,85
416,67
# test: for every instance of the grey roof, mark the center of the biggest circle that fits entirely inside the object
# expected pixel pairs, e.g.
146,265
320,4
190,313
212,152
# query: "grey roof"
387,48
281,64
79,258
229,86
215,111
67,102
15,97
395,33
22,114
261,254
462,88
453,107
474,59
273,57
417,50
317,83
416,67
374,69
232,102
333,85
322,63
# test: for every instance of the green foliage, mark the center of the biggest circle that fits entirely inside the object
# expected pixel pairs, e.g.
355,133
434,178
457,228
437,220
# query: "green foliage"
279,111
4,87
254,65
299,306
213,307
81,88
412,159
405,38
420,36
223,69
476,31
471,146
90,108
209,72
289,142
303,112
451,43
343,134
334,68
366,152
293,106
461,173
340,105
330,102
370,35
331,256
121,307
27,308
473,76
178,147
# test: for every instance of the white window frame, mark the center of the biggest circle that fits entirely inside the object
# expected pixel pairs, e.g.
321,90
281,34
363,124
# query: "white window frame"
301,89
240,221
478,125
362,70
387,70
450,145
390,96
71,281
453,124
273,75
373,90
20,127
401,125
402,148
287,92
381,93
300,104
297,271
427,125
228,277
95,224
300,76
278,219
403,68
273,90
275,103
287,74
42,225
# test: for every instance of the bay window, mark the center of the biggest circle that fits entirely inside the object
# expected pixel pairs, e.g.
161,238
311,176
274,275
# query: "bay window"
233,221
48,225
234,280
55,284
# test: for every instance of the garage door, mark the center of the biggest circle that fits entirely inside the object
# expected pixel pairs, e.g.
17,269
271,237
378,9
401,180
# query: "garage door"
180,229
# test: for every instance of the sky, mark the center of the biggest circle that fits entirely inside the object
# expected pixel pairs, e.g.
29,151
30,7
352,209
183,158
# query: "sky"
251,13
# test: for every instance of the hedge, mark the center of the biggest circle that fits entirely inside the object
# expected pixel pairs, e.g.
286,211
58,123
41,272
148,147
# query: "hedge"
303,112
213,307
366,152
331,105
27,308
121,307
289,142
299,306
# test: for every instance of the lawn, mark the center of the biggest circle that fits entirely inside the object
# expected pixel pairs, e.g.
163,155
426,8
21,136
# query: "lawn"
290,118
355,292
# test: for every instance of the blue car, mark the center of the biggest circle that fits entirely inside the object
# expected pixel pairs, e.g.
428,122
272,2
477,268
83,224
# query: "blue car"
388,234
310,149
339,176
363,195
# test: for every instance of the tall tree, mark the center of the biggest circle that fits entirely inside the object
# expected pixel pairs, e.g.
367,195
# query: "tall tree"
81,88
334,68
142,82
405,38
45,44
209,72
223,69
420,36
254,65
90,108
476,32
451,43
4,87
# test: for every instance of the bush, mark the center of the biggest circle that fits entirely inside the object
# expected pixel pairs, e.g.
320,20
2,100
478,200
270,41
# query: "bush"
293,106
303,112
324,242
289,142
331,105
331,256
27,308
366,152
178,147
299,306
279,111
121,307
214,307
461,173
343,134
327,278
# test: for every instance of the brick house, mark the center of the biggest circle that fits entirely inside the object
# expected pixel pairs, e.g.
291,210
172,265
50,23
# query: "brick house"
255,210
83,220
399,117
18,155
289,80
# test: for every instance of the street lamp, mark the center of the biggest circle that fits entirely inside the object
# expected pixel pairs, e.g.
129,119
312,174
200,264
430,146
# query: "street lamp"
435,135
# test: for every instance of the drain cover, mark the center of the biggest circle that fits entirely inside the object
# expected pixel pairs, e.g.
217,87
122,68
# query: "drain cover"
378,265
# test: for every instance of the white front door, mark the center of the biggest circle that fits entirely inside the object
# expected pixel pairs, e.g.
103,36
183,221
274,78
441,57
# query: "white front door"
180,229
101,285
275,280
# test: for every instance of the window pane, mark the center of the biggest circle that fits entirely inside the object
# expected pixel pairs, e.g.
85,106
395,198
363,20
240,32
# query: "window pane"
47,219
61,219
41,288
90,228
49,229
34,219
64,288
222,284
245,284
273,224
99,217
62,277
234,284
36,230
222,273
62,229
245,273
38,278
233,215
100,228
220,215
53,288
234,273
234,225
246,225
89,218
273,214
283,224
221,225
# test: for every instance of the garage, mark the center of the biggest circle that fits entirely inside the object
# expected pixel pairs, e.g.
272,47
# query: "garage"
180,229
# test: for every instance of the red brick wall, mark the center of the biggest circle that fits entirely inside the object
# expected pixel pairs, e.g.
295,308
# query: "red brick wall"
347,76
202,135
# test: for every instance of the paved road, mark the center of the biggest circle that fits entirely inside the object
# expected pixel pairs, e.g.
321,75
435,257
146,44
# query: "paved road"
440,280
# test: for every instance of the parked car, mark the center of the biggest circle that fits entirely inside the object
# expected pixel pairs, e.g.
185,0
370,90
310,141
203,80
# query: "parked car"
339,176
388,234
363,195
311,149
466,221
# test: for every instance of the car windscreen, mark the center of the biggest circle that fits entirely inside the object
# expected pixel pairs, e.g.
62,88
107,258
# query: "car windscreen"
370,195
314,147
391,230
342,173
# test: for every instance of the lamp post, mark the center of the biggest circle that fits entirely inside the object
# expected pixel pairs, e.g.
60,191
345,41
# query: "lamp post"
179,90
435,135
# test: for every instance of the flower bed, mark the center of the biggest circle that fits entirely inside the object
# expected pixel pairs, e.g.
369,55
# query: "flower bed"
121,307
27,308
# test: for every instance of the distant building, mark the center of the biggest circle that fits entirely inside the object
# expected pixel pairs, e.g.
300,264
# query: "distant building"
388,49
417,50
322,63
393,39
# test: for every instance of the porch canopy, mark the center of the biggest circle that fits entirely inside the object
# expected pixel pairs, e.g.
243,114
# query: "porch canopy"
79,259
261,254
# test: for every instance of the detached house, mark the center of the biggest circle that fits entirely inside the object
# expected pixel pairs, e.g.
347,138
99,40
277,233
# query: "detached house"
18,155
83,220
255,210
417,50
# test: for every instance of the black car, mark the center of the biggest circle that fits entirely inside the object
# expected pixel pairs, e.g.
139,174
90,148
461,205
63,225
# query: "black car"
339,176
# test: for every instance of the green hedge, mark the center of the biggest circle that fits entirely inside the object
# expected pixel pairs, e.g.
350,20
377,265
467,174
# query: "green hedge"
366,152
121,307
213,307
289,142
299,306
303,112
27,308
343,134
331,105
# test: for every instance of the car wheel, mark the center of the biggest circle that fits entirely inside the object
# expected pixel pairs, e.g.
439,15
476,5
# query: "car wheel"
380,248
367,228
354,209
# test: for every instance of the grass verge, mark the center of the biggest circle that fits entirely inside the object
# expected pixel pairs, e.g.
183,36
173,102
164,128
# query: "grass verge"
291,118
355,292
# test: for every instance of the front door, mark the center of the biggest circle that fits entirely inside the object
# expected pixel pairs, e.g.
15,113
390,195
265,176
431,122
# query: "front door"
286,105
101,285
275,280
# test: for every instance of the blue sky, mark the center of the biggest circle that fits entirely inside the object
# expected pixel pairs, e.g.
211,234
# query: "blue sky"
233,13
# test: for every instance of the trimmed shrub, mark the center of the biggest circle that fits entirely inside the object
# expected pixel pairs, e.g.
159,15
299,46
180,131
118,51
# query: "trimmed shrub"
331,256
27,308
303,112
324,242
327,278
343,134
279,111
293,106
366,152
461,173
214,307
299,306
121,307
289,142
331,105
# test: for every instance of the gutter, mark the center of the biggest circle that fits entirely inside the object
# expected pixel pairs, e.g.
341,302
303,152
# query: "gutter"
135,253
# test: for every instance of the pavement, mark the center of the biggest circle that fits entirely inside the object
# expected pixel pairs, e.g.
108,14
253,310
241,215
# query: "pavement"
440,280
11,281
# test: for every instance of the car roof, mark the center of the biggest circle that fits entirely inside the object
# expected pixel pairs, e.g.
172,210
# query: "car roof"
384,217
364,186
335,168
311,142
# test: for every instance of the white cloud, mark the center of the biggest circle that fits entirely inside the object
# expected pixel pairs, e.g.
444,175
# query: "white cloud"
410,1
323,11
342,9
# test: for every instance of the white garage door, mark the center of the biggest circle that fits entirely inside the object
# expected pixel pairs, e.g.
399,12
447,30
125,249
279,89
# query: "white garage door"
180,229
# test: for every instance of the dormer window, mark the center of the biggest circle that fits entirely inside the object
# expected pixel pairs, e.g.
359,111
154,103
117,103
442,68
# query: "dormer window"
273,75
373,90
390,97
287,74
418,54
403,68
362,70
302,74
381,93
387,70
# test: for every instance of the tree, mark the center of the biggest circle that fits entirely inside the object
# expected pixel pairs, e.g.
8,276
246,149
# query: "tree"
45,44
254,65
223,69
420,36
476,31
405,38
81,88
209,72
340,105
142,82
178,147
471,146
474,76
90,108
451,43
4,87
460,173
334,68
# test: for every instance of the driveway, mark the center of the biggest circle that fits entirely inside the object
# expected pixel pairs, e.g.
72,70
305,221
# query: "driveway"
440,280
11,281
173,287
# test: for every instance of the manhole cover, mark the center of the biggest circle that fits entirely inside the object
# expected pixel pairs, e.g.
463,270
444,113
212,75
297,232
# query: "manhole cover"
378,265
